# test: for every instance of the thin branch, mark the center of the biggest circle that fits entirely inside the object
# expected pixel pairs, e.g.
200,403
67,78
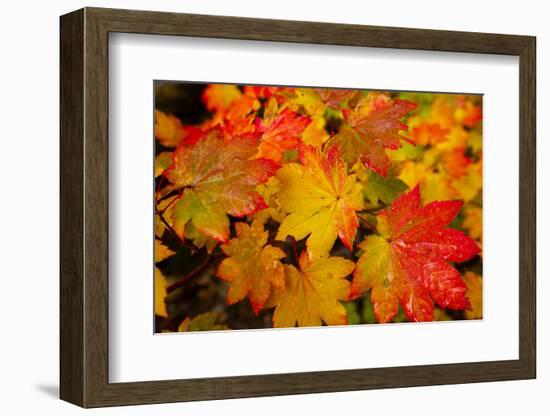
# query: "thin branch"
374,209
367,224
172,231
166,195
209,260
163,210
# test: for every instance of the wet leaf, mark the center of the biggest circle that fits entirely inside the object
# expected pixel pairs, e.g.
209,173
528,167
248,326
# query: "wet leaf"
314,293
408,263
321,200
252,266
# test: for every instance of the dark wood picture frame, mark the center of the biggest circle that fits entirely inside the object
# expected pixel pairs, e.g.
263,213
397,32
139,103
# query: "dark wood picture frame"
84,207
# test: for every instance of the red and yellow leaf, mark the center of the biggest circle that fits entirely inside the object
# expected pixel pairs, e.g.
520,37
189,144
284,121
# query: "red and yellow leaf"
282,134
371,128
170,132
408,263
216,177
334,97
321,200
162,161
252,266
313,293
219,97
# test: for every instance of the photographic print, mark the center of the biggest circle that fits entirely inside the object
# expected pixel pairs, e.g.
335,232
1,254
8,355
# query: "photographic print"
280,207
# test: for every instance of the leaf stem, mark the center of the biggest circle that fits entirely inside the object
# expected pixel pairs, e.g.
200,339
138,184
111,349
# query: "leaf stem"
296,257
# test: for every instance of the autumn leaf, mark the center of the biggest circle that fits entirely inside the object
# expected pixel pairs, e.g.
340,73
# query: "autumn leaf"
216,177
209,321
315,101
260,91
160,294
474,283
162,252
408,263
199,239
219,97
469,185
252,266
429,133
268,191
468,113
170,132
437,186
314,293
473,222
384,189
315,133
456,162
370,129
282,134
334,97
321,200
162,161
168,129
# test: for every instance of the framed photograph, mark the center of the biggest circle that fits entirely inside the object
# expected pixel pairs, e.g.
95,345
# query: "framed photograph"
256,207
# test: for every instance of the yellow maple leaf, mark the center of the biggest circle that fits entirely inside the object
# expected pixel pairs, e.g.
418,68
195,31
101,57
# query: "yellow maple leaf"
473,222
161,251
469,185
315,134
413,173
219,97
313,293
168,129
160,294
321,200
267,191
474,284
436,186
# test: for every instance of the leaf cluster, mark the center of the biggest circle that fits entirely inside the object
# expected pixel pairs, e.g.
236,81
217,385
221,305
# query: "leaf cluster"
307,206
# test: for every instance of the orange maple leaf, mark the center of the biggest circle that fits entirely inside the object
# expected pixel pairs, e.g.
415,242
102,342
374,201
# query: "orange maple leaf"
252,266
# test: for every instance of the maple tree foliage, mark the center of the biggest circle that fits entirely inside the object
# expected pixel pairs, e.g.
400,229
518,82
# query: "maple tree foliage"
283,206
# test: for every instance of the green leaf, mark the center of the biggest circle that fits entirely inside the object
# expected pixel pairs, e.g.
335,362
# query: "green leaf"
383,189
368,311
353,314
208,321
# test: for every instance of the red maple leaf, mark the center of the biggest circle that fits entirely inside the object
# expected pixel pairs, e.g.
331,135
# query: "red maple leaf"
408,263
